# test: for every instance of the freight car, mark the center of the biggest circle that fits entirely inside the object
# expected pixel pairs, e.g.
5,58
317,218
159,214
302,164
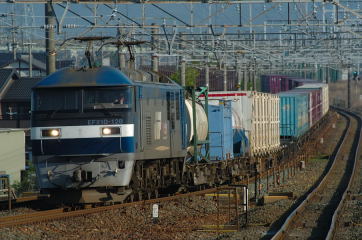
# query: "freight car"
294,114
99,136
312,98
255,121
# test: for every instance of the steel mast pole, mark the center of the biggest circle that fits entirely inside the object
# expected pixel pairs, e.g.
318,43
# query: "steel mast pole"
49,38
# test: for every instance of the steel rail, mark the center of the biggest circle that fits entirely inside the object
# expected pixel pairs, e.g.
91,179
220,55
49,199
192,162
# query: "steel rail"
291,219
338,211
65,212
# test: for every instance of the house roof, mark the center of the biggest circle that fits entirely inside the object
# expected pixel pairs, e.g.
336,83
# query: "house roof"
5,74
6,59
36,62
20,90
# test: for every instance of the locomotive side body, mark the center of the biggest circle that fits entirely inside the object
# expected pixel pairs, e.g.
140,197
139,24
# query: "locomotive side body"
89,128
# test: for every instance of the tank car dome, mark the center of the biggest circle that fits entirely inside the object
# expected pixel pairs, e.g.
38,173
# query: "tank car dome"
91,77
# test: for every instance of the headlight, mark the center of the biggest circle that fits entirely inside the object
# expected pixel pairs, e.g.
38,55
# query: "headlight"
55,132
106,131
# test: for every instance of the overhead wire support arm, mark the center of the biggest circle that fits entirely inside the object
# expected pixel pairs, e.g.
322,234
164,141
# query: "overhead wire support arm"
74,13
123,15
171,15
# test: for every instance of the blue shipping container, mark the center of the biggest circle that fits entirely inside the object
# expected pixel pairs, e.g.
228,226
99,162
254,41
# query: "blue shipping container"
220,131
294,119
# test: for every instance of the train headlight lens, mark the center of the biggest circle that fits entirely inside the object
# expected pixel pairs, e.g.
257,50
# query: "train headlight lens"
55,132
106,131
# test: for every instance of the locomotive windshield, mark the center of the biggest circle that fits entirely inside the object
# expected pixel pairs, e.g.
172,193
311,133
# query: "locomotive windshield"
97,99
59,100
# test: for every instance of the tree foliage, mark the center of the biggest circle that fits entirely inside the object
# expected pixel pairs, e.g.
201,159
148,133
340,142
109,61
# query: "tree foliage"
191,76
28,182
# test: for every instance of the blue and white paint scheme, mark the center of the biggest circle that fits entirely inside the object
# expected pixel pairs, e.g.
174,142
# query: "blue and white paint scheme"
90,127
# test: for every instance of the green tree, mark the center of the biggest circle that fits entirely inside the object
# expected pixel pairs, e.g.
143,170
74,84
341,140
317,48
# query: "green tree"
191,76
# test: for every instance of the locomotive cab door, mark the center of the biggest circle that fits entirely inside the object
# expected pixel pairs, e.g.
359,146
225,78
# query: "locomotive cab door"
173,117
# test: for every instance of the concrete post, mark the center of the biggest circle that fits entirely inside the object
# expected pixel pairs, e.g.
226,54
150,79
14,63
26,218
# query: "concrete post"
183,72
239,77
30,61
245,79
49,38
207,75
225,78
154,57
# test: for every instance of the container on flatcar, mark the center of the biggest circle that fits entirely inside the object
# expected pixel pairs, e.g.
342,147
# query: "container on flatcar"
257,115
220,131
271,83
325,93
315,103
286,84
303,81
294,114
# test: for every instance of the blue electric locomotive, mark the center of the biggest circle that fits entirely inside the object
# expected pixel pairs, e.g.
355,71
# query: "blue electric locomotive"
99,136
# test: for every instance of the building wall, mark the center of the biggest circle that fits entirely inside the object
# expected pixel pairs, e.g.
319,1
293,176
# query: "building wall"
12,152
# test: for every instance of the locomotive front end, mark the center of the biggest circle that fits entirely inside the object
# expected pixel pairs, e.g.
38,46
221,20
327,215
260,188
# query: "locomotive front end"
83,135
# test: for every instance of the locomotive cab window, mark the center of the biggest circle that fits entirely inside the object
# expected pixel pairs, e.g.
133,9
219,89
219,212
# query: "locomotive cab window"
108,98
56,100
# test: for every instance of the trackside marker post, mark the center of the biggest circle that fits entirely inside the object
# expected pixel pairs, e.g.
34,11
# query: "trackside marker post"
155,213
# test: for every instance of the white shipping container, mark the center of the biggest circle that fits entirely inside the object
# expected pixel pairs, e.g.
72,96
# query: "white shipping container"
258,115
325,94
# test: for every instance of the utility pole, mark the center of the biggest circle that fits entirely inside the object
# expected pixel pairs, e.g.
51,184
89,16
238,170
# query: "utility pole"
30,47
155,60
13,33
183,72
238,70
50,38
225,77
349,88
207,75
121,54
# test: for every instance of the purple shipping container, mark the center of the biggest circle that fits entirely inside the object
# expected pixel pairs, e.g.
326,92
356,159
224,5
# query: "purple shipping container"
271,83
286,84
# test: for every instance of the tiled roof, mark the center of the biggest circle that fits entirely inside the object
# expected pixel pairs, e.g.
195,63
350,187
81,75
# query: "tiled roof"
5,74
6,59
36,63
39,60
20,90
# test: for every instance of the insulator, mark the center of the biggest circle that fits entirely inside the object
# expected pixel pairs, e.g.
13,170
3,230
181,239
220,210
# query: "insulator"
48,26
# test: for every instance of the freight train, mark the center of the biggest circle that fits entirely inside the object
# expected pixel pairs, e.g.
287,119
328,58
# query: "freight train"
303,102
103,135
99,136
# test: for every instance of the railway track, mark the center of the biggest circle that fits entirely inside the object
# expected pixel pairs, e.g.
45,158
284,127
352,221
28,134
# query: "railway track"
348,206
60,213
315,217
48,215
